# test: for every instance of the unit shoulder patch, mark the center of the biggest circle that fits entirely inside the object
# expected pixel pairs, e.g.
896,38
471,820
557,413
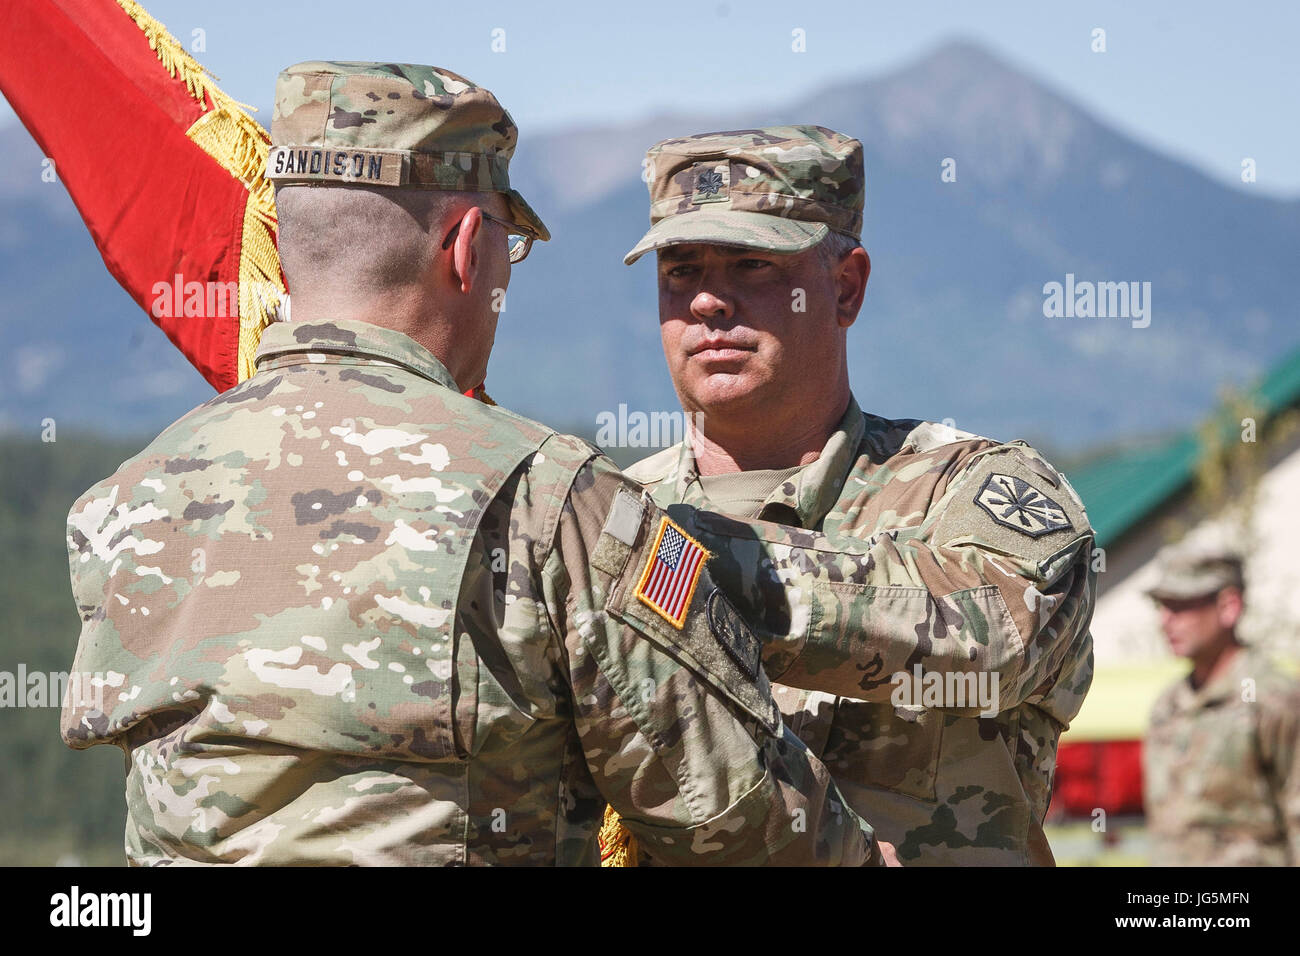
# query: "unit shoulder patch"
1011,501
1014,502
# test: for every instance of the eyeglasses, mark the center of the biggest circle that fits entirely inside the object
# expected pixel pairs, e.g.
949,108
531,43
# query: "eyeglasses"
516,242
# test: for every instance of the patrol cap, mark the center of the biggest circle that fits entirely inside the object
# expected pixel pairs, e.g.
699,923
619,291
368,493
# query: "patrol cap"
393,124
1190,570
780,188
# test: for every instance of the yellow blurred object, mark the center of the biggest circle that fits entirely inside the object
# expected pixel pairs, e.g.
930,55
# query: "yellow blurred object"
617,846
1120,701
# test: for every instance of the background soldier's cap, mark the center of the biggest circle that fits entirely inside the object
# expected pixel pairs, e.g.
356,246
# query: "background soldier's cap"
1190,570
781,189
393,124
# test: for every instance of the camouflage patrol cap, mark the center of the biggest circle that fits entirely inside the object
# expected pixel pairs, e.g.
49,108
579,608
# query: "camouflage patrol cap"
781,188
393,124
1193,570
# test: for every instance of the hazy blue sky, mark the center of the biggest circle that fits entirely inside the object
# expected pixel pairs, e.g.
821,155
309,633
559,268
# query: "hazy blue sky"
1208,82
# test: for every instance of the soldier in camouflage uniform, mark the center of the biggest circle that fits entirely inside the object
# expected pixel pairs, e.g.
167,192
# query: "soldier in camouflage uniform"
935,553
345,614
1221,761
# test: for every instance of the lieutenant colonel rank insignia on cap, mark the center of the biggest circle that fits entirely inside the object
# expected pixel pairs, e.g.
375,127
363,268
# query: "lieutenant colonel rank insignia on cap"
670,576
712,183
1017,504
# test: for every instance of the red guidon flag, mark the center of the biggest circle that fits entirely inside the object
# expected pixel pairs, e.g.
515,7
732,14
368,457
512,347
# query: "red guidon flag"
165,169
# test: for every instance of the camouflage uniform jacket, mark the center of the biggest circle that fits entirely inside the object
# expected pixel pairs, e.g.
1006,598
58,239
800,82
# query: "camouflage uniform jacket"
1222,769
345,615
935,549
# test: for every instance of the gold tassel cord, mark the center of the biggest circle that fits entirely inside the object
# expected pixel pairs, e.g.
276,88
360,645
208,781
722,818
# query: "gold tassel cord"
261,290
223,137
618,847
241,152
240,141
175,60
239,144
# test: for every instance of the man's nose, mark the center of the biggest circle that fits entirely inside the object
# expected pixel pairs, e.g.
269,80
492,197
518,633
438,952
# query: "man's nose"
707,305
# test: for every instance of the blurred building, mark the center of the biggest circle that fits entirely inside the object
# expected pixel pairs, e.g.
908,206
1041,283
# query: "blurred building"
1139,499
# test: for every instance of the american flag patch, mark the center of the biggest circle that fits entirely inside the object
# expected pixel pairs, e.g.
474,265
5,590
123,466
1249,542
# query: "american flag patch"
671,573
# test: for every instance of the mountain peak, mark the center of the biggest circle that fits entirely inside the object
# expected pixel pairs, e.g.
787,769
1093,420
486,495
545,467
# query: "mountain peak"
1002,125
963,53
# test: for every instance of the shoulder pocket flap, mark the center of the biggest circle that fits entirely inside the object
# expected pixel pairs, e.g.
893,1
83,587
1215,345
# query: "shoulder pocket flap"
700,627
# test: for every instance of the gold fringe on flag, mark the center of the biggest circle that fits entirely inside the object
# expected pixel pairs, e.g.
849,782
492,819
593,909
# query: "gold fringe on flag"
618,847
239,144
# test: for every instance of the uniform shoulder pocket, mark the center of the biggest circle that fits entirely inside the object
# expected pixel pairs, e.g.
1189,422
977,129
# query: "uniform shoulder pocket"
664,592
1012,502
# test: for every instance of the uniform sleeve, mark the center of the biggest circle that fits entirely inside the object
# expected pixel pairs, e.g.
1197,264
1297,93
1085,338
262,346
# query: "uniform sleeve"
1279,743
97,706
673,710
995,578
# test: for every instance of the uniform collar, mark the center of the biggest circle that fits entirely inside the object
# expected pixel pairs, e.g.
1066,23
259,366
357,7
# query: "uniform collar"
1223,687
325,341
816,488
810,495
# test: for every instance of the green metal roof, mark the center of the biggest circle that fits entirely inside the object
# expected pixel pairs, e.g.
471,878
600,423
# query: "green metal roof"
1122,488
1280,389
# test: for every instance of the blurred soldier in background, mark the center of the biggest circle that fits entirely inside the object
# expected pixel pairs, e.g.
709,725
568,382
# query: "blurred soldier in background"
943,553
1221,761
348,615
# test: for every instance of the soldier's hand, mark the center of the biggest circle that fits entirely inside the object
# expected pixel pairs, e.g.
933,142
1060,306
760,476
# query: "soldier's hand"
888,852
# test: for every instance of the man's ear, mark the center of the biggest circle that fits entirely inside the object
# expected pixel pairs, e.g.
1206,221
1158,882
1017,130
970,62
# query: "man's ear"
1230,606
464,251
851,280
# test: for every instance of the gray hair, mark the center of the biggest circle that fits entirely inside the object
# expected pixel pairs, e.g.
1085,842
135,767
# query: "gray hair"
835,247
379,237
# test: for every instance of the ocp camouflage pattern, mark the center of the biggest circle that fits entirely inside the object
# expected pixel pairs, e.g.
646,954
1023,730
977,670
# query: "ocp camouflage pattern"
808,173
452,134
1221,768
879,558
346,615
